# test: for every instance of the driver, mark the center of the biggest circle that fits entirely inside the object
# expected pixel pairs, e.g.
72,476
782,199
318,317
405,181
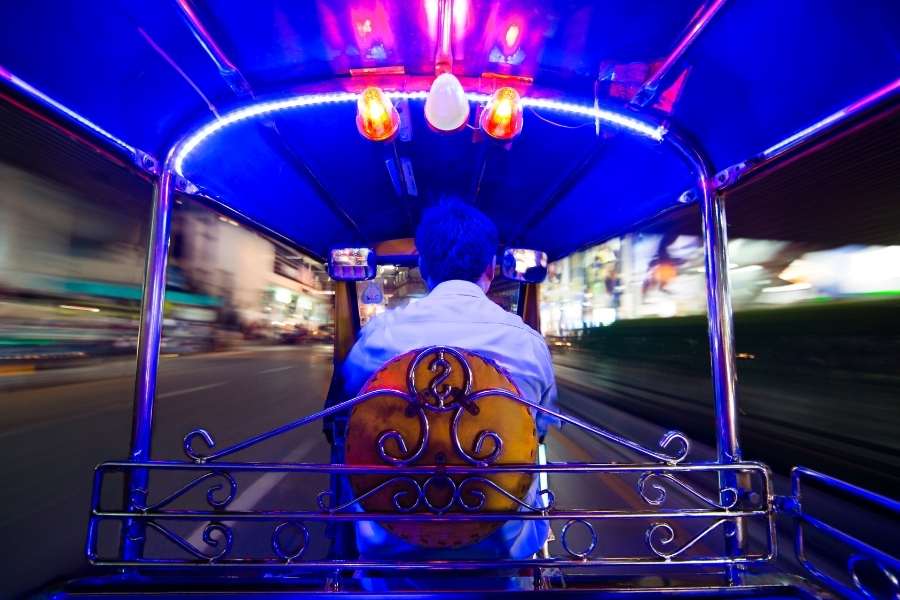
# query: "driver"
457,247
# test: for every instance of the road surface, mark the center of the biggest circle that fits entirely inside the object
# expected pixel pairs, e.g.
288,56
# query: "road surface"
55,427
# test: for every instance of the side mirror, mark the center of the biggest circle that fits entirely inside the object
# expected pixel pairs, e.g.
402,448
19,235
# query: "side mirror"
351,264
522,264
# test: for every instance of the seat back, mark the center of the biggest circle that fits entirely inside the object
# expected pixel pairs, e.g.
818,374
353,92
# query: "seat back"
439,426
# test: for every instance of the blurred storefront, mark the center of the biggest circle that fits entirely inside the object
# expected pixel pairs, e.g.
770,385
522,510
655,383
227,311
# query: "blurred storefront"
657,275
71,269
264,287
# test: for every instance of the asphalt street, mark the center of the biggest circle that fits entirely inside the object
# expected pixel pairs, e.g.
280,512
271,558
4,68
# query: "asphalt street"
55,427
52,437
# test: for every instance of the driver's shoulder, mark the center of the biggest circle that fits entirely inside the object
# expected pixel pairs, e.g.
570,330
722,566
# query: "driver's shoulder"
523,331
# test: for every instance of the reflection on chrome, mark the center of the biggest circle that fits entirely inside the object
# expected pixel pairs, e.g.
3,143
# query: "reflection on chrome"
214,535
729,495
663,534
564,539
278,547
415,494
890,577
393,434
219,503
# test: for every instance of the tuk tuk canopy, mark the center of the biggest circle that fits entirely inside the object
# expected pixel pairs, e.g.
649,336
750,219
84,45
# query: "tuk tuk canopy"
741,77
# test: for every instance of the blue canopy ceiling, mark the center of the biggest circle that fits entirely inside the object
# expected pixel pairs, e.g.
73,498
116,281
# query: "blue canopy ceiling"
150,72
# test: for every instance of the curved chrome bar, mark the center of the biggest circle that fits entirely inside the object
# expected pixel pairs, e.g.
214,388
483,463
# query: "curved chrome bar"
210,492
393,434
475,457
668,536
418,493
861,552
665,442
208,439
718,299
551,499
278,548
564,539
729,495
438,393
445,481
889,576
227,539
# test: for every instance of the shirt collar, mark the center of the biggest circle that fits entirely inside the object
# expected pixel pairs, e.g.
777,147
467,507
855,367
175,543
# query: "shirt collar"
457,287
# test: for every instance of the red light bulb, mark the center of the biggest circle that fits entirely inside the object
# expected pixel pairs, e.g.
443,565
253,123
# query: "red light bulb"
376,117
502,116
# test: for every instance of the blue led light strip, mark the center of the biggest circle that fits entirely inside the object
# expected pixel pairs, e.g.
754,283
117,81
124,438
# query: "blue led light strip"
43,98
265,108
866,101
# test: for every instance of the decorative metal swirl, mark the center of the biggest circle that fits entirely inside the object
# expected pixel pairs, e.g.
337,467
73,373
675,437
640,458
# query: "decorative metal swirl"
564,539
226,539
667,440
437,389
440,390
439,480
419,494
216,503
675,436
475,457
658,494
481,496
325,498
393,434
188,444
865,589
279,549
662,534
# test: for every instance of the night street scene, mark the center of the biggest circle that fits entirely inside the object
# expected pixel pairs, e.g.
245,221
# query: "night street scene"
450,298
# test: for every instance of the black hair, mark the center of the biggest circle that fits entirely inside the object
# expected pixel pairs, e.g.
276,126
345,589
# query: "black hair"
455,241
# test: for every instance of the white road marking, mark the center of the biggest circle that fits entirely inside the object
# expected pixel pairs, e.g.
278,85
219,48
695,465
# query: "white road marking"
192,389
250,497
276,369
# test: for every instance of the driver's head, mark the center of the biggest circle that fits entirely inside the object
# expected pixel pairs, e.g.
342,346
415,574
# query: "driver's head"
456,241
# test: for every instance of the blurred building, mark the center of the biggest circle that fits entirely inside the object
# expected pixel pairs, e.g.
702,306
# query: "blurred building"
663,275
263,284
72,262
50,237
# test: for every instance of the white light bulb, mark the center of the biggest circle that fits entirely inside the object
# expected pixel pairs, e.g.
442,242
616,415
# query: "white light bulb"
446,107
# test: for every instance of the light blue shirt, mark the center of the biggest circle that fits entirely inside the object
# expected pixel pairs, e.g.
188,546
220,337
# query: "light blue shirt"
458,313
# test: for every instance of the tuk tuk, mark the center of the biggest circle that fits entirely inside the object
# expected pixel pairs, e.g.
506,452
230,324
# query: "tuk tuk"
330,126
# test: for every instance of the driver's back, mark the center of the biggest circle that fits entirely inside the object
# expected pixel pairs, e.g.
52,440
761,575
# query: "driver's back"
457,247
456,313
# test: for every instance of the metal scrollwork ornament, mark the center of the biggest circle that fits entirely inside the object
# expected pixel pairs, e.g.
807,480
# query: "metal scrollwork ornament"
278,546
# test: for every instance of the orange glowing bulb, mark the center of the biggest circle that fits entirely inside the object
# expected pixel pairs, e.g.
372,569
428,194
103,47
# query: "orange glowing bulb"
376,117
502,116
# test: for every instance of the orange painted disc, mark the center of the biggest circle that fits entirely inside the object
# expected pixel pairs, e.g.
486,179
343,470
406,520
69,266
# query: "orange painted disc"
440,380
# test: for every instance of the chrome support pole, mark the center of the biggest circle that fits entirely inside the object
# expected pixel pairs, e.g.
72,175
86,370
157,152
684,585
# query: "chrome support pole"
721,327
148,356
721,333
721,349
718,301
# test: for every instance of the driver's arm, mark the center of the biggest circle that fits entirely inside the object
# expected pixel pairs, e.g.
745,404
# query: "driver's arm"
366,357
548,391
